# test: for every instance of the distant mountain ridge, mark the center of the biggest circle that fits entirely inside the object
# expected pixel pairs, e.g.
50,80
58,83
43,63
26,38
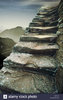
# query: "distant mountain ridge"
13,33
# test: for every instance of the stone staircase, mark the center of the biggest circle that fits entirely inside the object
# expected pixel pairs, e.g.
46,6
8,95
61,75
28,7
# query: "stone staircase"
32,65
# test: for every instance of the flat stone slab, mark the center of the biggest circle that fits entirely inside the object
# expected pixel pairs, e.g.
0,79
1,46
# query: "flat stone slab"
36,24
25,82
39,38
38,20
43,23
48,9
51,12
23,61
51,18
42,29
35,48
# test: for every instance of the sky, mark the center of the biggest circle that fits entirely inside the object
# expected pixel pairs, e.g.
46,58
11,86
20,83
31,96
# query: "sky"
15,13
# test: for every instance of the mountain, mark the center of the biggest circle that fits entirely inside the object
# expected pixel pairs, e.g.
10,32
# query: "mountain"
14,33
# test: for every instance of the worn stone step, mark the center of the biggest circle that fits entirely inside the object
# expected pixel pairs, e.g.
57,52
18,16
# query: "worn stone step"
39,38
36,24
53,23
51,18
41,12
47,13
48,9
27,33
42,29
26,82
45,19
30,62
38,20
43,23
35,48
40,16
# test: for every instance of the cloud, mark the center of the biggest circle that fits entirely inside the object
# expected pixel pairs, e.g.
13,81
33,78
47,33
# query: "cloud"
19,12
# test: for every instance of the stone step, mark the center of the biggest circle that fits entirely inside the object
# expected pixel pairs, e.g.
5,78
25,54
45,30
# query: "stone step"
37,20
36,24
42,12
27,33
43,23
39,38
42,29
40,16
45,19
48,9
30,62
26,82
48,12
35,48
51,18
48,15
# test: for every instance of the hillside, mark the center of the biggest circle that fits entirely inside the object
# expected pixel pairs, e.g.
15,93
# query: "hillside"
13,33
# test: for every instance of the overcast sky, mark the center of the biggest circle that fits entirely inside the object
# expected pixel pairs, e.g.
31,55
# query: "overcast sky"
19,12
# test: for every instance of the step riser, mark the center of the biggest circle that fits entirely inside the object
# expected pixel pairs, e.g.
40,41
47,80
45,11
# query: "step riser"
48,13
43,20
30,61
31,51
52,18
48,9
45,40
42,31
36,24
44,24
49,71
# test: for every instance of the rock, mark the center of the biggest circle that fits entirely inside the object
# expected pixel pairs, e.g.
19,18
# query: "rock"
61,25
42,30
35,48
39,38
48,9
59,79
43,23
59,54
6,46
0,91
25,82
30,61
38,19
36,24
48,13
51,18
